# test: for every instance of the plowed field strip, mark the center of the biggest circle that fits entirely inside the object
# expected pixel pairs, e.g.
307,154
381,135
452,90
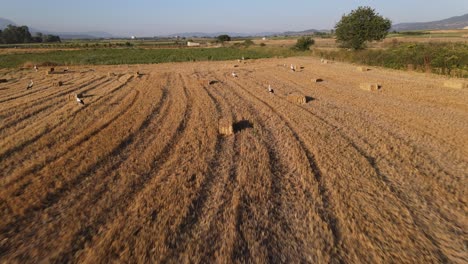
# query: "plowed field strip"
165,178
58,123
278,124
141,173
387,170
410,146
107,170
44,115
50,94
399,150
371,164
348,98
65,116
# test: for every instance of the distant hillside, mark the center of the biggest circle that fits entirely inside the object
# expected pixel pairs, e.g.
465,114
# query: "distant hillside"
235,34
5,22
457,22
76,35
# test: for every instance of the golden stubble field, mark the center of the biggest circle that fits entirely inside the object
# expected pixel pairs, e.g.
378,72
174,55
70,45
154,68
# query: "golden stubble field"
141,174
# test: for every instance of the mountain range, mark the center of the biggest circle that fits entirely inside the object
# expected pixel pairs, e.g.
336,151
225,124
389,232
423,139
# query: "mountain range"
236,34
457,22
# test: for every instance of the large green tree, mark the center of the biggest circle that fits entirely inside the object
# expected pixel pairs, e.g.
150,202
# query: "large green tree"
359,26
15,35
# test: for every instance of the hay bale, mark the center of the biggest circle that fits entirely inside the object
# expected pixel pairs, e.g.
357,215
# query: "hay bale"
370,86
297,98
363,69
225,127
213,82
456,84
3,80
317,80
58,83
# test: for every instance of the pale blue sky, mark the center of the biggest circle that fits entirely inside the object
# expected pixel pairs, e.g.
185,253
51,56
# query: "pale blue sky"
148,18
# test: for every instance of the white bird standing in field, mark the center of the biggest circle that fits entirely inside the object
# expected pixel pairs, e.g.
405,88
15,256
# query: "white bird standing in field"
243,58
30,85
293,68
78,99
35,67
234,75
270,90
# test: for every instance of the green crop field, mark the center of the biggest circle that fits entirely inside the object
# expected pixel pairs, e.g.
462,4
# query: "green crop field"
142,56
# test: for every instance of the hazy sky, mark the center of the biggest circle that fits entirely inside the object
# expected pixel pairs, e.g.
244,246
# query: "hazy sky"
149,18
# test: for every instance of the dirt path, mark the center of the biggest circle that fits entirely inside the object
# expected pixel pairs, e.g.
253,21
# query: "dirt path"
140,173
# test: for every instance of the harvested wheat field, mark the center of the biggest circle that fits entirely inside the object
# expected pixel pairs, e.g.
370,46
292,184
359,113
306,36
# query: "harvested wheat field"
143,171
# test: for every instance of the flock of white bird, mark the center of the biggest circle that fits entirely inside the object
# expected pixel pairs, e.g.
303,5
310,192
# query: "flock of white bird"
78,97
270,89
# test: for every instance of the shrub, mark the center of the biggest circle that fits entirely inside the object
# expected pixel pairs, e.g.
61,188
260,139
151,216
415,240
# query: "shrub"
443,58
304,43
248,42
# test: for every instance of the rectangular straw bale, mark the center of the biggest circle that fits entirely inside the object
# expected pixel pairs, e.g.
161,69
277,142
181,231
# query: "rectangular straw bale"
296,98
225,127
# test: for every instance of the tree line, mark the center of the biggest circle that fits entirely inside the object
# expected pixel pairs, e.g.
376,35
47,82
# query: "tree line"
16,35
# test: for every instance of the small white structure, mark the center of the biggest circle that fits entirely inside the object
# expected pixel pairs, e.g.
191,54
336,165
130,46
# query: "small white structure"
264,38
193,44
133,37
